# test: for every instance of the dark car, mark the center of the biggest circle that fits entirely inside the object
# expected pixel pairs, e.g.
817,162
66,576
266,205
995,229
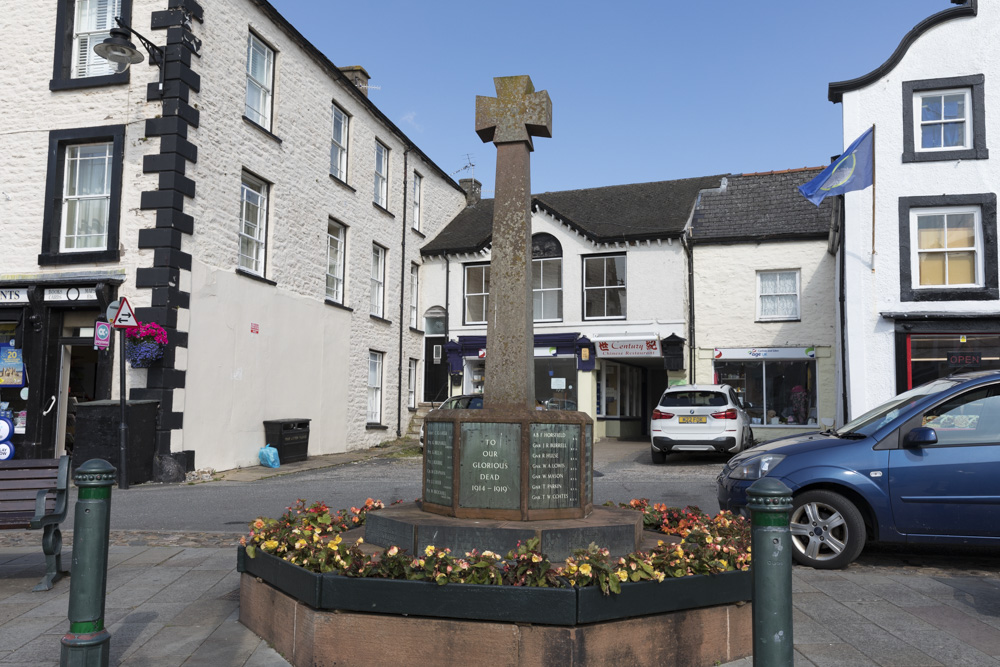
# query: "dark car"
463,402
923,467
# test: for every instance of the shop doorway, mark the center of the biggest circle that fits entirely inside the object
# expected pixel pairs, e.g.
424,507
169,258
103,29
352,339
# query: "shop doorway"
435,370
78,375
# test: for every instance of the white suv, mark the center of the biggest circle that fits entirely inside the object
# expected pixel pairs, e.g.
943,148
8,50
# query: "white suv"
699,418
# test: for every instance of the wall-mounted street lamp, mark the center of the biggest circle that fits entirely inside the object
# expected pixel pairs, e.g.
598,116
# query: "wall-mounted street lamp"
121,53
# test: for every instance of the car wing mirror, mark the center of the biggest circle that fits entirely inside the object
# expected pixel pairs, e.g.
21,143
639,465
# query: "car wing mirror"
920,437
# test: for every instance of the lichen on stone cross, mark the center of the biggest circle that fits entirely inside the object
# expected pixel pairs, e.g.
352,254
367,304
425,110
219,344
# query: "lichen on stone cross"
517,113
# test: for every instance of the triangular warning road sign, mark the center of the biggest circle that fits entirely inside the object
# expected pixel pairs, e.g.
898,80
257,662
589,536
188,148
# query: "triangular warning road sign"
125,317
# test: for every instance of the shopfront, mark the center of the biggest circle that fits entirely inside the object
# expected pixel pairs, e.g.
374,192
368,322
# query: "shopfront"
630,378
48,363
928,349
779,383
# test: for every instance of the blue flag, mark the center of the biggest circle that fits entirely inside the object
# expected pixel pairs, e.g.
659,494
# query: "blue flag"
854,170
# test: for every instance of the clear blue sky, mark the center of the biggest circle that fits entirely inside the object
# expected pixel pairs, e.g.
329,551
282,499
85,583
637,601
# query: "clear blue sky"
641,91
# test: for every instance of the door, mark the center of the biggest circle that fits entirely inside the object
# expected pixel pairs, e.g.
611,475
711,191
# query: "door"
951,487
435,370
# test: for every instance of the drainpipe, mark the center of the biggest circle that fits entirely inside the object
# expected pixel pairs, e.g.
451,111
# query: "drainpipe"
843,315
689,251
402,293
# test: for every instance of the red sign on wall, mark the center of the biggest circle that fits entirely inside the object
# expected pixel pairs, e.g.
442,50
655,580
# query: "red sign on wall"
965,359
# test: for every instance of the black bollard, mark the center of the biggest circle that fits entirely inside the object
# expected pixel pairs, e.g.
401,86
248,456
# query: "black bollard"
88,643
770,503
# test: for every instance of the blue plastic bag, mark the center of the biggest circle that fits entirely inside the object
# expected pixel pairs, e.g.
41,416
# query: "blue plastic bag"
268,456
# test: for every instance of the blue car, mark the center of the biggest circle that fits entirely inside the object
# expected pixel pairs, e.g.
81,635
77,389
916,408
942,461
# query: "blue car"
923,468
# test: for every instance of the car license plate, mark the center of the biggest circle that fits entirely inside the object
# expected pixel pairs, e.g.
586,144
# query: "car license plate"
692,420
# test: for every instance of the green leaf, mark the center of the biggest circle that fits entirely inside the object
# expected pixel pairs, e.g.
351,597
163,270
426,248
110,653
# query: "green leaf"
251,550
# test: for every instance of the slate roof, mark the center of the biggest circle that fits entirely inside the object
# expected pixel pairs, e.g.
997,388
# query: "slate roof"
760,207
634,212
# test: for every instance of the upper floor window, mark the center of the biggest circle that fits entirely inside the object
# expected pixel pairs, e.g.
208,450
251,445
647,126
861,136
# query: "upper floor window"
260,81
477,293
338,145
83,195
335,233
418,185
381,194
414,294
778,295
253,224
949,247
944,119
546,278
604,287
378,281
81,25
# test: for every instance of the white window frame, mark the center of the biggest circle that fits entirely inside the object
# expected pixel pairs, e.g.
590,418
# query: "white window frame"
336,237
82,203
414,295
338,143
253,232
418,188
485,294
88,31
261,87
605,287
978,250
378,281
411,386
381,193
375,387
919,123
549,264
797,315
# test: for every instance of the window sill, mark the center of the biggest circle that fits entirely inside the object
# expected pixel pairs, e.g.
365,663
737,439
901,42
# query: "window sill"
778,320
599,319
380,319
55,259
89,82
947,156
254,276
342,184
376,427
335,304
261,128
418,232
951,294
383,209
417,331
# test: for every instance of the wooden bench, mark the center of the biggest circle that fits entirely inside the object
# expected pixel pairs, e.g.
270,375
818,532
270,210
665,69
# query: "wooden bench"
34,494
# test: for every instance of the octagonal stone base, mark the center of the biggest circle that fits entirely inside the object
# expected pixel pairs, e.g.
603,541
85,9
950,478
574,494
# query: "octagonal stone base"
410,528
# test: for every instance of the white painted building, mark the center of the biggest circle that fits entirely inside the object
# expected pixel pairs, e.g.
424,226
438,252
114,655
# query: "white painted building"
922,288
610,287
764,315
256,203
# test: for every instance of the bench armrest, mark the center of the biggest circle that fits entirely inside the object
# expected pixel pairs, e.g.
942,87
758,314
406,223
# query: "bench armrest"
61,490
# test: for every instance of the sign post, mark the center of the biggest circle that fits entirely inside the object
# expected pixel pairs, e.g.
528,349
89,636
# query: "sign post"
123,318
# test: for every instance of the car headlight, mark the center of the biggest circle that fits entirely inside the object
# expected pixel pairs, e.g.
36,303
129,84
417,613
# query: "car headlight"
756,467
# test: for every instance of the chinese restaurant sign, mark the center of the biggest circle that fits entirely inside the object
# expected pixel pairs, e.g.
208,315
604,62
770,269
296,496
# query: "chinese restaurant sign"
628,348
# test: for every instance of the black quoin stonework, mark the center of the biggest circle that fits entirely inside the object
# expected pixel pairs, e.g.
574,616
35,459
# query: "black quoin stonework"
165,239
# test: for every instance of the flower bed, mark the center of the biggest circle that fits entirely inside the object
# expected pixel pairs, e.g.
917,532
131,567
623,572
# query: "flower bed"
308,536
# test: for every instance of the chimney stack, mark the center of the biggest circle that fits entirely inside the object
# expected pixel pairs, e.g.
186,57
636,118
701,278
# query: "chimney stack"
473,190
358,76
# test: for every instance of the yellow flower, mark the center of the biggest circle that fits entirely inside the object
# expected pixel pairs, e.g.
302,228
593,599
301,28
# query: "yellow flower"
622,575
315,537
659,576
393,551
301,544
708,540
429,551
270,544
335,541
585,569
535,558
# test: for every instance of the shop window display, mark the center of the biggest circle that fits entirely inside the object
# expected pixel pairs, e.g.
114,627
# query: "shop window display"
780,393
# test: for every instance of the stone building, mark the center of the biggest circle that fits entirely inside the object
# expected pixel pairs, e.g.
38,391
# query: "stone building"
246,195
919,264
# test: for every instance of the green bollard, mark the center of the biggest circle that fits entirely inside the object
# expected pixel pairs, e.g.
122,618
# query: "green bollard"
88,643
770,503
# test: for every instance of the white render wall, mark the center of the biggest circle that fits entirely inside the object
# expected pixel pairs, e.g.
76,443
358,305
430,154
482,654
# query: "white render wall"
725,302
870,358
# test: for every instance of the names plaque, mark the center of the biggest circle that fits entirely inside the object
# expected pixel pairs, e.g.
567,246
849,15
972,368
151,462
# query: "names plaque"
555,466
439,465
491,466
588,449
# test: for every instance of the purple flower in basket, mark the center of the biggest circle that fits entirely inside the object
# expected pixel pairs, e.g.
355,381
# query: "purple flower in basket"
144,344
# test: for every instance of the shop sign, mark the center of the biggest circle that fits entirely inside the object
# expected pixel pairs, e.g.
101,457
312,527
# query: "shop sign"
71,294
628,348
11,368
13,295
965,359
545,351
734,353
102,335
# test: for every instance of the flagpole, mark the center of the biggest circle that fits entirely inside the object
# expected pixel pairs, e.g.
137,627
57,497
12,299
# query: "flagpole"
873,197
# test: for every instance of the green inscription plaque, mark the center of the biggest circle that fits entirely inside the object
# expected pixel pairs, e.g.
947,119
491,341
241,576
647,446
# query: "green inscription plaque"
491,466
555,466
439,464
588,479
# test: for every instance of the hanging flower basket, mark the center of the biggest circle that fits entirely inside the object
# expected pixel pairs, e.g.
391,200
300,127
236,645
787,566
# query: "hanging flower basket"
145,344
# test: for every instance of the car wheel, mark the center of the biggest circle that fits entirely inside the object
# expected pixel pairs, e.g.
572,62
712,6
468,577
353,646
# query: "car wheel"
749,442
827,530
658,456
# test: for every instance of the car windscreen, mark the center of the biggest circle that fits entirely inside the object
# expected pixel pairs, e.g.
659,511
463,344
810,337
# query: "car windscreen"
875,419
692,398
